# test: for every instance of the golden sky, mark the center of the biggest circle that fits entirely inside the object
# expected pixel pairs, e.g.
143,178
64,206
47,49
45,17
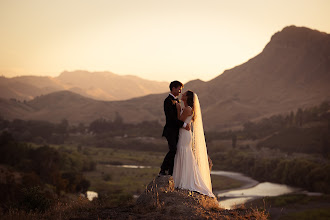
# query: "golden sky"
159,40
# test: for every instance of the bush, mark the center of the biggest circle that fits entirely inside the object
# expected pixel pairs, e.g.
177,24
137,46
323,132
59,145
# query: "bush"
34,200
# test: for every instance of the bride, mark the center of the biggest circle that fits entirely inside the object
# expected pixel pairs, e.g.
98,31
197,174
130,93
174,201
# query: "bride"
191,167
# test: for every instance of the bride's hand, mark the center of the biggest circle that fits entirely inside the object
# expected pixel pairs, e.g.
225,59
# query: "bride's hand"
187,127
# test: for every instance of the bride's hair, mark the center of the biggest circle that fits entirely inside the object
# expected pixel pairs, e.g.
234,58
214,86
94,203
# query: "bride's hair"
190,101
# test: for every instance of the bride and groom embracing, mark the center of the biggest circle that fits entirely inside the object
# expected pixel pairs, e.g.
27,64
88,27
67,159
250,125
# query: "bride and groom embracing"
187,159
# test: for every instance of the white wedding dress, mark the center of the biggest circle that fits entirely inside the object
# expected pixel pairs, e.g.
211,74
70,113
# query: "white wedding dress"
191,168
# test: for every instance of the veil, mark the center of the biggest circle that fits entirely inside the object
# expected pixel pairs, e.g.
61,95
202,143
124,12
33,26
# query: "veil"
199,145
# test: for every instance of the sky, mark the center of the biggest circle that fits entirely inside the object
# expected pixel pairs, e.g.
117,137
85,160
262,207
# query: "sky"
153,39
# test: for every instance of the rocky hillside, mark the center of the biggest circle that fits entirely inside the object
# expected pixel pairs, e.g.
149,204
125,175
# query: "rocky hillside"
161,201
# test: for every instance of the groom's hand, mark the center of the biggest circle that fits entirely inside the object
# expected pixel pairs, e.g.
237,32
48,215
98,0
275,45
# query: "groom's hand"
187,127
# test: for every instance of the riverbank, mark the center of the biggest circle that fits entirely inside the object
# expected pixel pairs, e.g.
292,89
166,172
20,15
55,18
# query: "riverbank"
280,201
246,182
249,191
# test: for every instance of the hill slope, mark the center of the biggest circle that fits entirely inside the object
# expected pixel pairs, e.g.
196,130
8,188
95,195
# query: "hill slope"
292,71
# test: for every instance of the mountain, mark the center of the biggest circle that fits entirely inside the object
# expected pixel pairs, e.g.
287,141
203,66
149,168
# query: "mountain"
97,85
27,87
293,71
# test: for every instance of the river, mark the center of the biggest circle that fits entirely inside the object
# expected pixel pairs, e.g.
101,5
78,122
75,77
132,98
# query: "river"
251,190
228,199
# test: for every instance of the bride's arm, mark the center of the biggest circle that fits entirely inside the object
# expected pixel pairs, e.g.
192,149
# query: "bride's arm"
187,111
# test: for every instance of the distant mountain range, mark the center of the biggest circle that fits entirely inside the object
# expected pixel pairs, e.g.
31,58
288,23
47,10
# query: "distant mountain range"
97,85
293,71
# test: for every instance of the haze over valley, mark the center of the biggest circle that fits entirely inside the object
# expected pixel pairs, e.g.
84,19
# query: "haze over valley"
105,86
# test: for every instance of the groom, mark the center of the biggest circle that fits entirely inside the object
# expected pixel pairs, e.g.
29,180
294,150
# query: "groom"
172,126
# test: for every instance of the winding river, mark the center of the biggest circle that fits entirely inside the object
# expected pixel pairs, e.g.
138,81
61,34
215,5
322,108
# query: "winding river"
251,190
229,199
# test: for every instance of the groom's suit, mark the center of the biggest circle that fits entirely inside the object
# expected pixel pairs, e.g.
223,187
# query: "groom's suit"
171,132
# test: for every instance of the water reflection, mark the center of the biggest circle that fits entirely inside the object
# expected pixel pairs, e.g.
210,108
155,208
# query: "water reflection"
262,189
250,190
247,181
91,195
236,202
129,166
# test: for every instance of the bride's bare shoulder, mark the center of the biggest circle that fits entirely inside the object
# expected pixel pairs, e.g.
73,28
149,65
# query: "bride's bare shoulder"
188,109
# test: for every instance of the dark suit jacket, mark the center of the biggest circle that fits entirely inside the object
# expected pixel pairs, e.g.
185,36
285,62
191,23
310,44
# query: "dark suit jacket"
173,124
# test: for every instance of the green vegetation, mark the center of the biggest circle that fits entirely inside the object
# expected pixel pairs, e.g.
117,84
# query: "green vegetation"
306,131
290,199
295,139
292,149
220,183
33,177
43,162
131,180
117,127
294,206
311,174
318,213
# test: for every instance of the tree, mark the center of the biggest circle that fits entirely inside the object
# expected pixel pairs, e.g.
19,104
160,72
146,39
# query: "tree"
62,128
299,117
325,145
99,126
234,139
5,138
118,122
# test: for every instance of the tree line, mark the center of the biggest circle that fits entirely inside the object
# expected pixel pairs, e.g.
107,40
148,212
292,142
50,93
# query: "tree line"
49,170
267,126
42,132
310,174
306,131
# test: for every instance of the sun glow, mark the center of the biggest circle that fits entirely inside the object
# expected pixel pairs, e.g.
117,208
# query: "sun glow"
157,40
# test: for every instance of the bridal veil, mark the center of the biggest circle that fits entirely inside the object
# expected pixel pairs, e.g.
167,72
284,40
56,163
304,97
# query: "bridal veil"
199,145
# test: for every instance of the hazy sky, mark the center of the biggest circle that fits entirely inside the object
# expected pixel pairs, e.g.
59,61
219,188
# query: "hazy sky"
154,39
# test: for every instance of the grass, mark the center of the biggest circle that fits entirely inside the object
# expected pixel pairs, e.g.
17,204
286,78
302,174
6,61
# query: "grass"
111,178
134,181
295,206
222,183
118,156
131,180
285,200
318,213
292,200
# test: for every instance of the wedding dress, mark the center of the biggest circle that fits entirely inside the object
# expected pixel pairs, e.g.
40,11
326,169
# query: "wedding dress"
191,168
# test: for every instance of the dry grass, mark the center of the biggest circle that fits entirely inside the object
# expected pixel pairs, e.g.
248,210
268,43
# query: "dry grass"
81,208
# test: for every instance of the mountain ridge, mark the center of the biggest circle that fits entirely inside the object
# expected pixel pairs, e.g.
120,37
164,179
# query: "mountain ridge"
97,85
282,78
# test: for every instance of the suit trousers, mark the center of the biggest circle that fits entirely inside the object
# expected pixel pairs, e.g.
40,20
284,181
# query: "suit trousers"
168,162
